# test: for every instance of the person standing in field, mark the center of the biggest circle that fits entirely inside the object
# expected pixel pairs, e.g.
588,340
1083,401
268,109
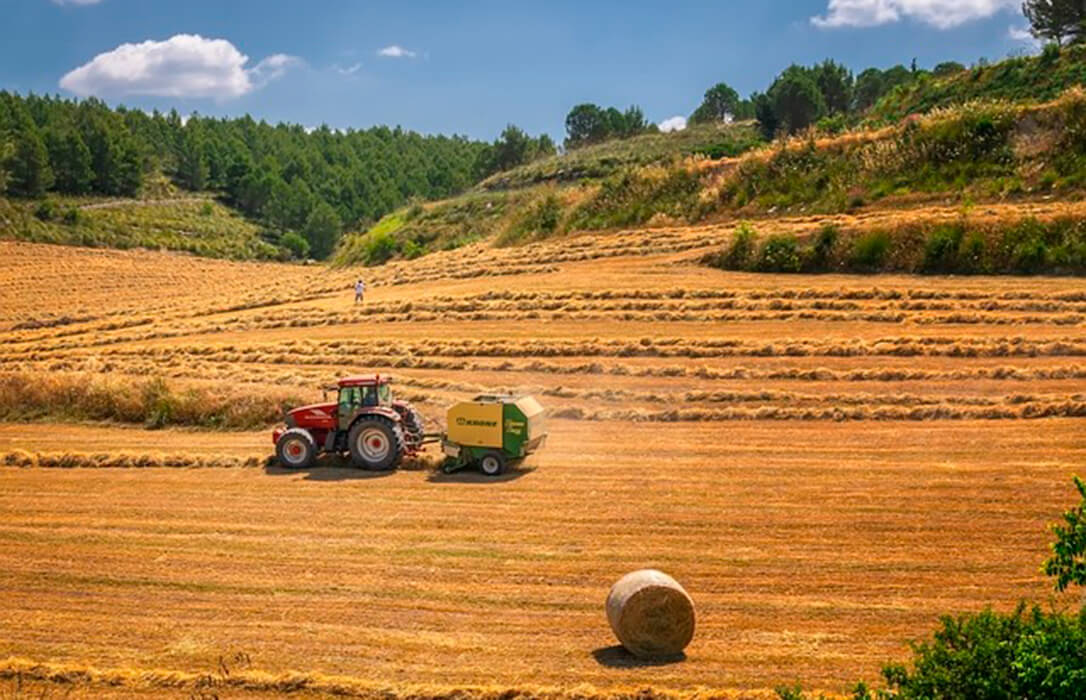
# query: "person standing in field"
359,290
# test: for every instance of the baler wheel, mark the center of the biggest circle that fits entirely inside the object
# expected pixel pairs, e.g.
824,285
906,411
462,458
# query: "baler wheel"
492,464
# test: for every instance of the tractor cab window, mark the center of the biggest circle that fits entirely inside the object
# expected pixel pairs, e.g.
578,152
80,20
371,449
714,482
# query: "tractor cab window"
385,393
349,397
369,396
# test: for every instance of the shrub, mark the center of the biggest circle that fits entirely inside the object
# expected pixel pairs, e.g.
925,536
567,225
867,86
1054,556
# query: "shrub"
1025,654
941,249
379,248
633,198
72,216
207,209
539,220
1068,561
1050,54
971,254
779,253
870,251
298,246
821,253
1024,247
46,210
740,253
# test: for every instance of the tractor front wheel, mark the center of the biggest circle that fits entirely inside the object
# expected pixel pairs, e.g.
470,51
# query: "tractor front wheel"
492,464
296,449
376,444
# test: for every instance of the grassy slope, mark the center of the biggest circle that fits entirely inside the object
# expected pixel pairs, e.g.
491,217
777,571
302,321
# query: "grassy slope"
606,159
192,224
980,151
1024,79
513,205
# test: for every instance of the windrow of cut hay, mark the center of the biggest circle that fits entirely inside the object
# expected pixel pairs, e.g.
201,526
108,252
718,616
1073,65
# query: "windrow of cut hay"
1028,411
847,304
67,676
404,355
309,377
105,460
150,401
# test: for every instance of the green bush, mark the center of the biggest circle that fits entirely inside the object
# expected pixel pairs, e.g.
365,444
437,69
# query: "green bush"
1025,654
870,251
1024,247
633,198
741,252
1050,54
380,247
538,220
207,209
971,254
820,256
46,210
1068,561
298,246
941,249
779,253
413,249
72,216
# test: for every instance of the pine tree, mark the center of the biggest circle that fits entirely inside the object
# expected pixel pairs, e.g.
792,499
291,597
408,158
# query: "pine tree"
29,167
70,160
7,150
1056,20
192,165
322,229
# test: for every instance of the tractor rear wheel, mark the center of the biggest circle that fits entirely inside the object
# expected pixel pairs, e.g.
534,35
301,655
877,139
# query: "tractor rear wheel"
492,464
296,449
413,429
376,444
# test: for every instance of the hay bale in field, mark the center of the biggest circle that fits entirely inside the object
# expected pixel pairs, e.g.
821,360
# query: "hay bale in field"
651,614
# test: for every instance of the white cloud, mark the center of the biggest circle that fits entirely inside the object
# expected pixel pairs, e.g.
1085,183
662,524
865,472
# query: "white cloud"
676,123
1023,35
942,14
185,65
76,2
349,70
396,51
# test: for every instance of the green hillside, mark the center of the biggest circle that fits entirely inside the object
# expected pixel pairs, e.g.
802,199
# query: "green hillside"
1023,79
980,151
193,224
606,159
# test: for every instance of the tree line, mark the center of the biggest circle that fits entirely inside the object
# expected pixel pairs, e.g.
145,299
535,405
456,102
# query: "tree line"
312,182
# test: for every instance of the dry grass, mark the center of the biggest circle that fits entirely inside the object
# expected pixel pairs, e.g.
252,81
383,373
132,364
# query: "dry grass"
827,463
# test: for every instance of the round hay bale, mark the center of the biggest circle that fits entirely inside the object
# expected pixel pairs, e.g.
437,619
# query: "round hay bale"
651,614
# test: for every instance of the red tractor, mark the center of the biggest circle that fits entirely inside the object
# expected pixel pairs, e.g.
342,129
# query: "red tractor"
365,422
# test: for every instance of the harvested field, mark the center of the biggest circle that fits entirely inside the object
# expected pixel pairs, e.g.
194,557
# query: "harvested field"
827,463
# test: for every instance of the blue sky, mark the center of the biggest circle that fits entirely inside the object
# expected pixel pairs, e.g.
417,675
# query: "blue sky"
470,67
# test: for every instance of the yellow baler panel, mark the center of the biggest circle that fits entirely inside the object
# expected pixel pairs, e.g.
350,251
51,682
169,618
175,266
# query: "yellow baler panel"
476,424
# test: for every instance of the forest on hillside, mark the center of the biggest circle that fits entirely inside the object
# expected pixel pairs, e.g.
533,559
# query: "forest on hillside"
310,182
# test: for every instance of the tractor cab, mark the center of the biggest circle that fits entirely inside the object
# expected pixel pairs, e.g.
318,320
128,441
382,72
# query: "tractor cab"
356,394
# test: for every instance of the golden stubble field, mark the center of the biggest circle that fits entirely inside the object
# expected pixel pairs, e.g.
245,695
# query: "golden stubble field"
827,463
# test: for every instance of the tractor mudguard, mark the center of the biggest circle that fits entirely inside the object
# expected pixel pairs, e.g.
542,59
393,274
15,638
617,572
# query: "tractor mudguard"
383,411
